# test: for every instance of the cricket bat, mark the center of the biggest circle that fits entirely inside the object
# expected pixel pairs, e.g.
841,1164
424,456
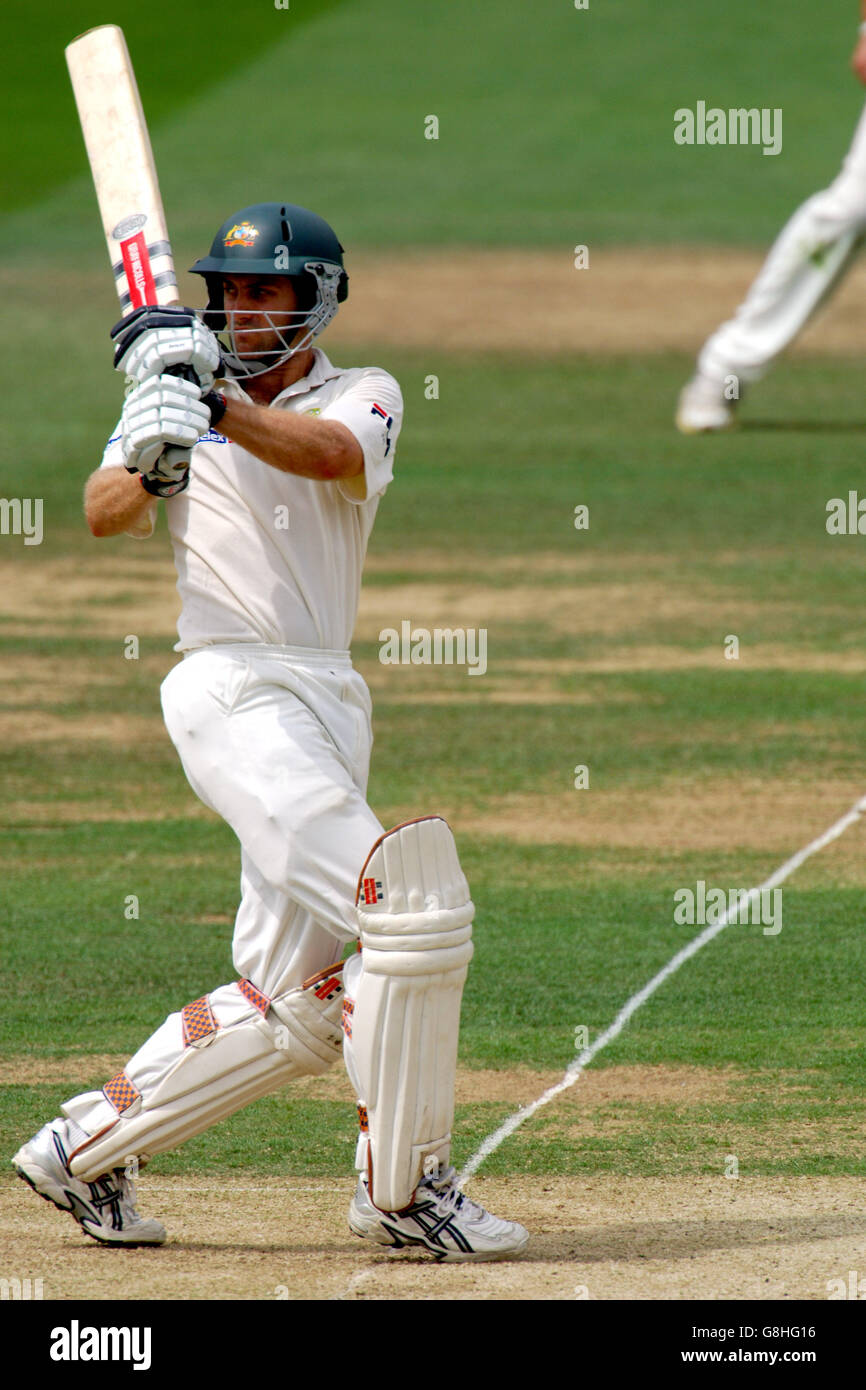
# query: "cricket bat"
124,174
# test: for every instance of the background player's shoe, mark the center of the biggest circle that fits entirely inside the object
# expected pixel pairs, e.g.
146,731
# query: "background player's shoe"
105,1209
703,407
441,1219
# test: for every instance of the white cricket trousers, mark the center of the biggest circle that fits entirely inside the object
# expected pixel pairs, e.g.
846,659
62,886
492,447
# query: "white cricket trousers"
277,741
810,255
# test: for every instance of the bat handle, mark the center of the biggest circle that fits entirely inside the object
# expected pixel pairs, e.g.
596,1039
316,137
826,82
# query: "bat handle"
174,456
183,369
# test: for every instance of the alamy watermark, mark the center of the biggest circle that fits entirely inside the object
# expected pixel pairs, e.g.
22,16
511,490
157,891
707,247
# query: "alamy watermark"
441,646
846,516
77,1343
22,516
21,1290
703,906
852,1288
739,125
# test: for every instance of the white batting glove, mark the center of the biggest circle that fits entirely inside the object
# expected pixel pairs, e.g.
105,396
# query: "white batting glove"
153,339
164,413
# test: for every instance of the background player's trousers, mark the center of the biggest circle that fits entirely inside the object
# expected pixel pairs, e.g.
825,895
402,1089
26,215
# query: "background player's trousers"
806,261
277,741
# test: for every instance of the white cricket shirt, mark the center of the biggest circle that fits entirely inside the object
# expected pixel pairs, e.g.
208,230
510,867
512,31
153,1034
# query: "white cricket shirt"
267,556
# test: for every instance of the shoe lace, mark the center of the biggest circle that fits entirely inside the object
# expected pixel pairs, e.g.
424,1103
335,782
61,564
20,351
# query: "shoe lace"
127,1191
448,1193
116,1190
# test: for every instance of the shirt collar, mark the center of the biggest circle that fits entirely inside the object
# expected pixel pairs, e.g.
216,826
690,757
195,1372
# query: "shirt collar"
321,371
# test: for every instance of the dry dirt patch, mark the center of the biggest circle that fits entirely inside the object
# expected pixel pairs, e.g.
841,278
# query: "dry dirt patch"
592,1237
754,656
596,1238
580,611
514,1085
43,678
727,813
118,730
76,1069
116,596
110,600
630,300
116,592
63,812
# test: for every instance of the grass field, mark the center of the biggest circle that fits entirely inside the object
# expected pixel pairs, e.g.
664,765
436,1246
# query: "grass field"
606,647
555,127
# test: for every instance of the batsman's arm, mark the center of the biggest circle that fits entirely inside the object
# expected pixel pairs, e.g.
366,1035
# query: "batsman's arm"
302,444
114,500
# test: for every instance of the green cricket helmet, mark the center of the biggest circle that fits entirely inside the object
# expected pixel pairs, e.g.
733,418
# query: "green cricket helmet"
276,239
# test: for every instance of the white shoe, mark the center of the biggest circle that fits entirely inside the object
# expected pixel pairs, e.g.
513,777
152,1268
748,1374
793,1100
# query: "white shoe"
105,1209
703,407
441,1219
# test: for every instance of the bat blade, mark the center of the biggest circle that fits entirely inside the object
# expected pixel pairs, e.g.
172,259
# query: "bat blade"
123,169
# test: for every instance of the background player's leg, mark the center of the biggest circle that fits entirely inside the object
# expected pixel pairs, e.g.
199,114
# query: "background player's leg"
804,265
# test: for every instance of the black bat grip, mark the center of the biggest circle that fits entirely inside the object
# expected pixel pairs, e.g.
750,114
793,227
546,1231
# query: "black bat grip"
183,369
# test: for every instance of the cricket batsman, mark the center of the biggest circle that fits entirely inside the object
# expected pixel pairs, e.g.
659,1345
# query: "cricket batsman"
808,260
270,463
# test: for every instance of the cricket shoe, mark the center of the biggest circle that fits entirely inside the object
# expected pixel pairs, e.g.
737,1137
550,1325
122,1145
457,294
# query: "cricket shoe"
441,1219
104,1209
703,407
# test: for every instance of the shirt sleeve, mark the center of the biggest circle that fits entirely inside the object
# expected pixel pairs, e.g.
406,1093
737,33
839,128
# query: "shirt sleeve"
113,458
372,409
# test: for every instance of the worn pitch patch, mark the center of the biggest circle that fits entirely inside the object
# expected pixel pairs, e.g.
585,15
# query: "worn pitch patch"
590,1238
684,1085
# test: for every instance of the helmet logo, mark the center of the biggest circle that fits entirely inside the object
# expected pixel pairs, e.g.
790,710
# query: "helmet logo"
242,234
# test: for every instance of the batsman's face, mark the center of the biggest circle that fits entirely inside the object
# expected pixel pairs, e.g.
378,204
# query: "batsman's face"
256,307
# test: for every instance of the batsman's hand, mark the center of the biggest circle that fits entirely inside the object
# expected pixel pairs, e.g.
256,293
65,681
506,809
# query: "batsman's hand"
161,421
858,59
151,341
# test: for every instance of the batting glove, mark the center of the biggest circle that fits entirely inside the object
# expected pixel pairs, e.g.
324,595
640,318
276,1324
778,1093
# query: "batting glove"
153,340
161,421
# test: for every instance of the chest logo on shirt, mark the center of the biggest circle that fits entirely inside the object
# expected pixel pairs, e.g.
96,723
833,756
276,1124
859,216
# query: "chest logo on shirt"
242,234
389,420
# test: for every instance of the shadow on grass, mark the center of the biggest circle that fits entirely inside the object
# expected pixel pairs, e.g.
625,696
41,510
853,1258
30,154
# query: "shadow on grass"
802,426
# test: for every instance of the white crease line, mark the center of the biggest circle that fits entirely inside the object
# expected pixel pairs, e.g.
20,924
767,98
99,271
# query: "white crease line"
573,1071
227,1189
145,1188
